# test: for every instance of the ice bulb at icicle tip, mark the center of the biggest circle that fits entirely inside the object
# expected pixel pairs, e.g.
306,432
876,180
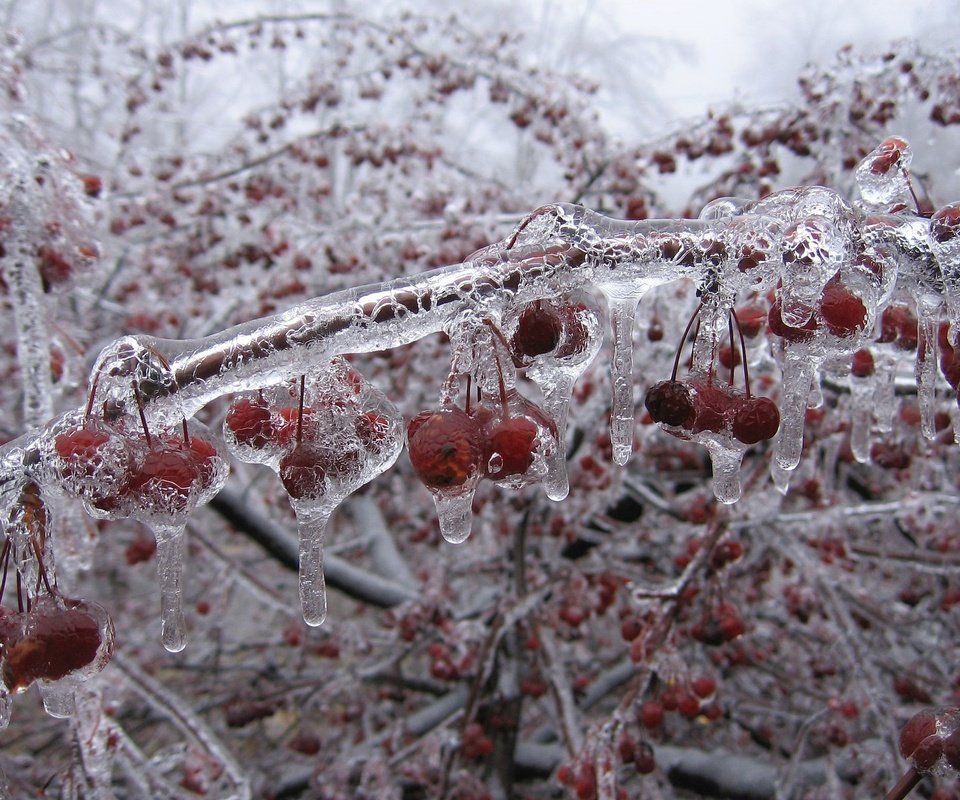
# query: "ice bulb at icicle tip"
58,698
312,522
455,512
725,461
171,547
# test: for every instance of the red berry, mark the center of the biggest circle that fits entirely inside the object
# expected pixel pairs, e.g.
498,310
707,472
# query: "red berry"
57,641
688,705
945,224
887,155
445,448
751,319
862,366
703,687
538,331
756,419
780,328
166,478
712,404
670,402
643,758
843,312
650,715
919,741
951,749
510,446
304,469
250,423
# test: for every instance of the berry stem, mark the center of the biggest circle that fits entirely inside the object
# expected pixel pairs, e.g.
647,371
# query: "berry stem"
683,339
733,361
913,194
905,785
143,416
5,558
743,353
303,384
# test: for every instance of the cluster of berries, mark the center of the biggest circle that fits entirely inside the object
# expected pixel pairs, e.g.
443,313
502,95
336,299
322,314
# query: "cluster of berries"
704,405
120,469
339,434
452,449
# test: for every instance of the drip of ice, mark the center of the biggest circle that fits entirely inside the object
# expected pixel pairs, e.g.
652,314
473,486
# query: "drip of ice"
455,512
556,402
92,739
885,398
58,698
312,522
928,319
863,392
6,709
726,455
171,548
622,314
781,477
799,370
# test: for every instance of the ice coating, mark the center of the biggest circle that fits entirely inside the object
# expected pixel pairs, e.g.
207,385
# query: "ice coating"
882,177
312,522
831,267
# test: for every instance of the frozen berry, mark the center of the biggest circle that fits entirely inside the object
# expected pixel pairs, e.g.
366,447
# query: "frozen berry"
861,365
756,419
670,402
780,328
304,469
844,314
919,741
538,331
57,642
166,478
712,404
250,423
510,445
945,224
445,448
887,155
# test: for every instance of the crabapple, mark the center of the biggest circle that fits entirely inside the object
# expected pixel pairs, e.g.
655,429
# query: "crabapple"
843,313
920,742
250,423
445,448
755,420
670,402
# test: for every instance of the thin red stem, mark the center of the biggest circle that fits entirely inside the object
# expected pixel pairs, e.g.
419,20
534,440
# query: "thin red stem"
303,384
683,339
743,353
913,194
733,360
5,558
143,416
905,785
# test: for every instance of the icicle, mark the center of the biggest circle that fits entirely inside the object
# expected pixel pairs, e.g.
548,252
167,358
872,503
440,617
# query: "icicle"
725,460
58,698
312,522
622,312
798,372
6,708
91,737
456,515
885,397
928,320
861,418
171,546
780,477
556,402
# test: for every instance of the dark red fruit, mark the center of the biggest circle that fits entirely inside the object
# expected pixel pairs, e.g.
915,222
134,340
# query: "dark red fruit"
650,715
712,404
59,642
538,330
919,742
780,328
510,444
862,366
80,448
445,447
166,478
751,319
670,402
843,312
945,224
575,335
951,749
757,419
372,429
251,423
887,155
643,758
303,469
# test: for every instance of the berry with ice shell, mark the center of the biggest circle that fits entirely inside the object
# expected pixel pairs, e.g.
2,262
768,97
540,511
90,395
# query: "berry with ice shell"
756,419
843,313
303,471
539,329
446,448
887,155
671,403
512,439
173,477
59,638
713,405
945,223
780,328
920,741
93,461
862,364
249,423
